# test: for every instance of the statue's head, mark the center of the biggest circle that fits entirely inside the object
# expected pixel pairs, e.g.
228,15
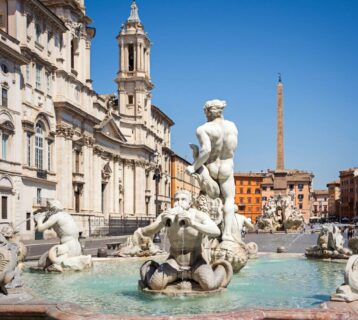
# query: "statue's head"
8,231
183,199
214,108
55,204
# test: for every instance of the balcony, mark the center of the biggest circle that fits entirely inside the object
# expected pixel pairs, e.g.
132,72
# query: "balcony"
78,178
40,202
42,174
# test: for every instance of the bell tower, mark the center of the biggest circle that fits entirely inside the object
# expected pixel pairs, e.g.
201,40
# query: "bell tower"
133,78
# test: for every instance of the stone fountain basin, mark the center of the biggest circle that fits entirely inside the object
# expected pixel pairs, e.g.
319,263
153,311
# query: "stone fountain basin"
272,281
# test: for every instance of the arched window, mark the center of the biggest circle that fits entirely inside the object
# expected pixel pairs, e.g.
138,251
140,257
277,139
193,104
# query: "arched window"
39,145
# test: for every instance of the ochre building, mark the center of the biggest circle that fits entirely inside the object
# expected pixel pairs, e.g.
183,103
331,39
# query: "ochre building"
248,195
180,179
349,192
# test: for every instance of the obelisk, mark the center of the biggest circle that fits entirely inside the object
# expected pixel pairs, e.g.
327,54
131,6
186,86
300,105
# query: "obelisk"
279,142
280,175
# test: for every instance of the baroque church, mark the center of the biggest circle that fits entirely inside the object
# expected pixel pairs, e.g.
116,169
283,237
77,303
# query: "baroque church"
60,139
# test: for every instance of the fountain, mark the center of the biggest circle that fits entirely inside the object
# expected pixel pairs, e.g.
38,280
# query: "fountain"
12,256
348,292
329,245
202,257
280,213
206,251
65,256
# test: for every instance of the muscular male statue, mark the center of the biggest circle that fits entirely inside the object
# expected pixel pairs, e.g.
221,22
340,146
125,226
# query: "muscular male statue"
218,140
67,254
187,228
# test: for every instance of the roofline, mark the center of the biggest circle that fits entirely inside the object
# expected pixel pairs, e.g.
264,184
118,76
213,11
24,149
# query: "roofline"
170,121
180,157
45,9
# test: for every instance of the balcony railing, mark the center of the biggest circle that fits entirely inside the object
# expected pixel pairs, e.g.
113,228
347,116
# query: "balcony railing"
40,201
42,174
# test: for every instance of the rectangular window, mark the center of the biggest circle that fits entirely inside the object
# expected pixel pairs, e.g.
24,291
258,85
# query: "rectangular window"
27,73
3,207
77,161
264,188
248,200
4,140
300,206
300,197
48,84
248,190
300,186
28,147
49,147
28,221
264,198
49,38
291,186
130,99
241,200
241,190
257,200
38,76
257,191
4,101
38,32
38,196
28,21
130,57
77,201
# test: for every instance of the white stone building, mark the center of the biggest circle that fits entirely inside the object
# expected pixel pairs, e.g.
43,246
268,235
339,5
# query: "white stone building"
61,139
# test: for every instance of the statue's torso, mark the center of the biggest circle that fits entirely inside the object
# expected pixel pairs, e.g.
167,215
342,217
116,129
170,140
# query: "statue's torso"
185,243
223,138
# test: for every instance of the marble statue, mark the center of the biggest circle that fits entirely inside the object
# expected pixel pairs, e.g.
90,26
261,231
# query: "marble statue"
205,235
12,255
187,267
349,290
213,167
280,213
213,163
67,255
138,246
329,245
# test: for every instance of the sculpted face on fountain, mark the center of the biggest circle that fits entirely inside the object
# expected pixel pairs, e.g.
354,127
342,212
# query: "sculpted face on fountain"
186,229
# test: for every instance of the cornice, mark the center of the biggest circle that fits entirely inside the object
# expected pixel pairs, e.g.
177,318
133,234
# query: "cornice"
41,9
13,54
72,109
28,52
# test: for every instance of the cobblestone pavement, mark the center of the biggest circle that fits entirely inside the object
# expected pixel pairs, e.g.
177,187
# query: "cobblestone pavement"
293,242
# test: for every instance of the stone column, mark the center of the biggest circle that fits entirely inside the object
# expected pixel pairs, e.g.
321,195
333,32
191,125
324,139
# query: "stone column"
122,53
138,67
140,190
129,187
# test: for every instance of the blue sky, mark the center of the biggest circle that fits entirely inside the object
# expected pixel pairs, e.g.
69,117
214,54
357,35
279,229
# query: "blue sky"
233,50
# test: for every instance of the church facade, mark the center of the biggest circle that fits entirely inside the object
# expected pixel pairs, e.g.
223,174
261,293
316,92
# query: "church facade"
95,153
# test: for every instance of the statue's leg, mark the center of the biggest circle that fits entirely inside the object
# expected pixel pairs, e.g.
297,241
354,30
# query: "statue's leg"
159,278
227,188
57,254
207,278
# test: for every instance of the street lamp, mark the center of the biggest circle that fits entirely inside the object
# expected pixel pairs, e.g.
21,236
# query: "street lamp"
157,177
